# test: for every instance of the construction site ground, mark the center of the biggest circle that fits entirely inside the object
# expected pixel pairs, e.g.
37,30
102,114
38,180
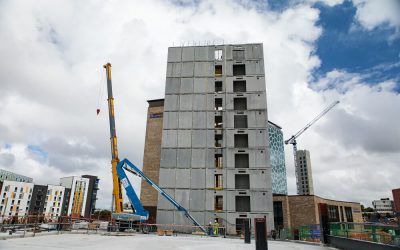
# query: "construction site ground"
140,241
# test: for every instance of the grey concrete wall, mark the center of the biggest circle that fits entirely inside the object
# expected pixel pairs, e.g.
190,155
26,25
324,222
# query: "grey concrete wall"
187,166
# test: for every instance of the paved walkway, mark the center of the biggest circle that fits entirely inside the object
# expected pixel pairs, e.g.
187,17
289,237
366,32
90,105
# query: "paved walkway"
140,241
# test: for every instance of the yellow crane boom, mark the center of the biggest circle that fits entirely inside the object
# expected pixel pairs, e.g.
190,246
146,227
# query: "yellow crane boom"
117,191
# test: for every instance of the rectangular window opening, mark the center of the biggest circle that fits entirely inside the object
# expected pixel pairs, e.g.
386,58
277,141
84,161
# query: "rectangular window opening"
218,104
242,203
218,141
239,86
242,181
218,54
218,181
218,203
240,103
241,161
218,161
218,86
241,141
218,70
240,121
218,121
238,70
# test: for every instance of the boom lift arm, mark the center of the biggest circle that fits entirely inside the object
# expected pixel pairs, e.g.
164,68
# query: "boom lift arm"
130,192
292,140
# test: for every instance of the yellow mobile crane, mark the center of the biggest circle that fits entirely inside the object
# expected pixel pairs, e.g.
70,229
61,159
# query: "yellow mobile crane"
117,206
120,177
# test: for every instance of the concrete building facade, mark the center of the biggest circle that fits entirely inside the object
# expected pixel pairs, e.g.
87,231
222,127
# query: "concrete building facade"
152,155
15,198
214,150
396,200
292,211
10,176
304,173
277,158
383,206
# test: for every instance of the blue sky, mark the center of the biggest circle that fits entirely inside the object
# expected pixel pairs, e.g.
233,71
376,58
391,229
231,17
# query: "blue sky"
346,45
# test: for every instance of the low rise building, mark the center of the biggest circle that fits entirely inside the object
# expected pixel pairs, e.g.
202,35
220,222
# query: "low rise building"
383,206
15,198
299,210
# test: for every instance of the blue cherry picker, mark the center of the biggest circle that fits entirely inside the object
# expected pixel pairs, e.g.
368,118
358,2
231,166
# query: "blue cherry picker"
120,178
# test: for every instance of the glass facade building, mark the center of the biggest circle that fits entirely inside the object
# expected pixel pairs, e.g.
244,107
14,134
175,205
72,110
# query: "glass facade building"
277,156
10,176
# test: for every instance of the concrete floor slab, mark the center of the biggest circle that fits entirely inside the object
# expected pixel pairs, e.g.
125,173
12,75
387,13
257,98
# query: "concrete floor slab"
140,241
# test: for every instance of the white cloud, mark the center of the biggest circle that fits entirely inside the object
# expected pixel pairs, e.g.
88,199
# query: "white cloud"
373,13
50,82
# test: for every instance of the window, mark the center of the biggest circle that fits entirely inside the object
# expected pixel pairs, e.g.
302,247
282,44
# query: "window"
21,190
239,86
239,103
15,189
241,141
218,54
241,161
349,214
218,181
238,54
238,70
218,104
218,141
21,196
218,121
240,121
333,213
6,188
218,203
242,181
218,70
4,195
218,86
242,203
218,161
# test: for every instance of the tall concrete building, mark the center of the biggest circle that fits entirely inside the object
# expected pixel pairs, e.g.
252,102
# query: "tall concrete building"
152,154
304,173
277,157
214,150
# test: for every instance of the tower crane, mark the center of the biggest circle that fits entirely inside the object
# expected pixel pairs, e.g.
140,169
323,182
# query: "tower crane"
292,140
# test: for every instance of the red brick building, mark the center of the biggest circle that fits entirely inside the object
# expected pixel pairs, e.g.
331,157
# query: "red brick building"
396,200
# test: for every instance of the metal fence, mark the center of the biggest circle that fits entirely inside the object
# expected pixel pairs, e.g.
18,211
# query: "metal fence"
33,224
311,233
379,233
